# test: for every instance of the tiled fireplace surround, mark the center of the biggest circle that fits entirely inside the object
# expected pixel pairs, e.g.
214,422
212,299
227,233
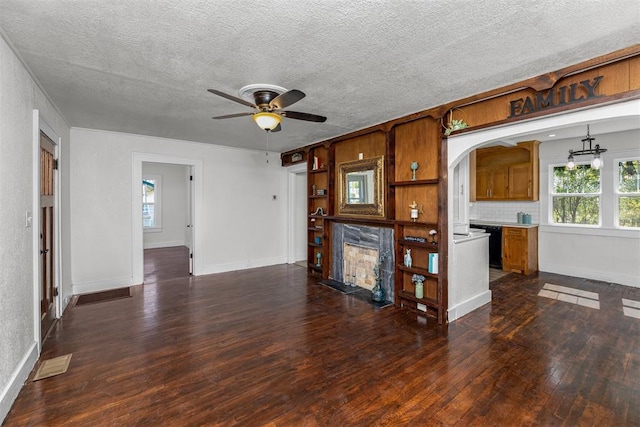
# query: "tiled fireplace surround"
361,240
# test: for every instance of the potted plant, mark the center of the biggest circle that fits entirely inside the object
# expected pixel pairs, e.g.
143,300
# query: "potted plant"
454,124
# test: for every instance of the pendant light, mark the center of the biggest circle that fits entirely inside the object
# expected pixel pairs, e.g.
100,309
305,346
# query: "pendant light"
596,161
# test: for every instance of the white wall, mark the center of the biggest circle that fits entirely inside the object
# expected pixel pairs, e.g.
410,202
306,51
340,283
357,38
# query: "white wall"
302,217
19,96
243,226
174,205
604,253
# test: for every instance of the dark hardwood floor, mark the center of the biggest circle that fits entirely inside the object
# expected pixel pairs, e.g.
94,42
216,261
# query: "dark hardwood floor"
269,346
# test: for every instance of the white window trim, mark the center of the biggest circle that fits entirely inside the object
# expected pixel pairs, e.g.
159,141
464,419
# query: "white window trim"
616,189
551,194
157,204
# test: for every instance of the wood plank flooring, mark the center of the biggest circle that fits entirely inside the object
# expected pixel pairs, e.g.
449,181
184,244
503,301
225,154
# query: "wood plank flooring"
269,346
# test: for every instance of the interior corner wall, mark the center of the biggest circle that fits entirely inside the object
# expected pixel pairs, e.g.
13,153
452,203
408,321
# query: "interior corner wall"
244,225
173,204
19,97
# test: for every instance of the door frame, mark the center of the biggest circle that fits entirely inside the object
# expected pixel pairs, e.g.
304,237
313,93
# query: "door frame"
40,124
291,214
137,242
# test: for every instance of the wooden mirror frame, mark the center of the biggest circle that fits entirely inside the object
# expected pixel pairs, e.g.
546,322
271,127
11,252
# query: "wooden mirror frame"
375,209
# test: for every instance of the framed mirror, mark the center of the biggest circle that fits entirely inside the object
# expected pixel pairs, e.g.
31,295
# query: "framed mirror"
361,187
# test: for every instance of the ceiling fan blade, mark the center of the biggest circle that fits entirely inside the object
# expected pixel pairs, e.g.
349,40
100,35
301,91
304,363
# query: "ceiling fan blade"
303,116
229,116
285,99
231,98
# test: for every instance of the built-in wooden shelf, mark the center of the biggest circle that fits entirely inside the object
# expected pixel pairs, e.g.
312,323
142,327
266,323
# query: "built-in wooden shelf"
417,270
317,170
429,246
416,182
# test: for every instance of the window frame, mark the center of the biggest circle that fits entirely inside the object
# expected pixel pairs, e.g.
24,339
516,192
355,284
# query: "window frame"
617,194
157,210
551,194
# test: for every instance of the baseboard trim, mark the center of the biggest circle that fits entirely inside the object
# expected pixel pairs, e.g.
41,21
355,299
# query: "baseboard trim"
101,285
242,265
17,380
466,307
605,276
171,244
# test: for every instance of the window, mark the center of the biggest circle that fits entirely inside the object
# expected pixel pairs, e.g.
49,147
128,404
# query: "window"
628,193
356,189
151,209
575,195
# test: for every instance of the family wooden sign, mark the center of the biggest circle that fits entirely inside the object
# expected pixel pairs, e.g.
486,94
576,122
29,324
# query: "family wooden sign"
556,97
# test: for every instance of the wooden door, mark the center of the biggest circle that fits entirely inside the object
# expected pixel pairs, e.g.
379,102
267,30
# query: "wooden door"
520,181
483,183
47,197
514,249
190,220
499,182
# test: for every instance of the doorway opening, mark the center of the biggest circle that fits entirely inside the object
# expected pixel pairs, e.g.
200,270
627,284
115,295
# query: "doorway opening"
298,215
45,222
176,206
166,220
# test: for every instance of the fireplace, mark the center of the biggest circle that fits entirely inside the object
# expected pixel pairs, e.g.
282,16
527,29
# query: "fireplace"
355,251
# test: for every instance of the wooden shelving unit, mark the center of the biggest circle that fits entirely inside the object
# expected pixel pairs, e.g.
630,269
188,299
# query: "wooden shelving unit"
318,205
419,141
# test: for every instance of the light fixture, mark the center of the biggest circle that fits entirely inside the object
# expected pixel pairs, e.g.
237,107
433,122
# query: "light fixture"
596,162
266,120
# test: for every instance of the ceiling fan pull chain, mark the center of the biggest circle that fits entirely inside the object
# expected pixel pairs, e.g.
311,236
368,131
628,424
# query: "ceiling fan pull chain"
267,152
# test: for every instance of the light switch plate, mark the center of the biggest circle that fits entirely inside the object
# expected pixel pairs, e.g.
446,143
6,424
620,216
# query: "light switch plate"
28,219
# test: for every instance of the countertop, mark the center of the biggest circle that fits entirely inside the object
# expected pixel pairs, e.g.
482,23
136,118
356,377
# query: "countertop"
501,223
459,238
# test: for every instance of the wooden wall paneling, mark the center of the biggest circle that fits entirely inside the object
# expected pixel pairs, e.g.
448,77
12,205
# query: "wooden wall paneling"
390,168
425,196
370,145
417,141
634,74
443,232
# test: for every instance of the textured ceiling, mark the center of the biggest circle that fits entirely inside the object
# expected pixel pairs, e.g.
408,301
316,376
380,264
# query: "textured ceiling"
143,66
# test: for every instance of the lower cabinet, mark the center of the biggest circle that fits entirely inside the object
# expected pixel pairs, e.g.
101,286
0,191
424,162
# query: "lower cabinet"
520,249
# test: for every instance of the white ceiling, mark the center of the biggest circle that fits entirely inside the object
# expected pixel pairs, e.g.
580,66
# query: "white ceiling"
144,66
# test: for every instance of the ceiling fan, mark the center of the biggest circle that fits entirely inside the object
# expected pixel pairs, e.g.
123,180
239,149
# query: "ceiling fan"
269,103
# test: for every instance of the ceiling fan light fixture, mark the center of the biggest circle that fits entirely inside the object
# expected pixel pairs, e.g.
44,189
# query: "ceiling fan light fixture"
266,120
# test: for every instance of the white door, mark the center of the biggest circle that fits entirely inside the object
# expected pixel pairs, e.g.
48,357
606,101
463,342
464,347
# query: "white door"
188,238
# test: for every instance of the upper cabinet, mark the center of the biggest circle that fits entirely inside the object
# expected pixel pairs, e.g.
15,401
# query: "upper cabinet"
505,173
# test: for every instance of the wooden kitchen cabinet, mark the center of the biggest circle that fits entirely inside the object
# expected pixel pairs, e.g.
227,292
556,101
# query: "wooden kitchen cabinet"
520,181
520,249
492,183
505,173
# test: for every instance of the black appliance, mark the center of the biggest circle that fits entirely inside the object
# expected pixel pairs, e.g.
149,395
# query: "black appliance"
495,243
